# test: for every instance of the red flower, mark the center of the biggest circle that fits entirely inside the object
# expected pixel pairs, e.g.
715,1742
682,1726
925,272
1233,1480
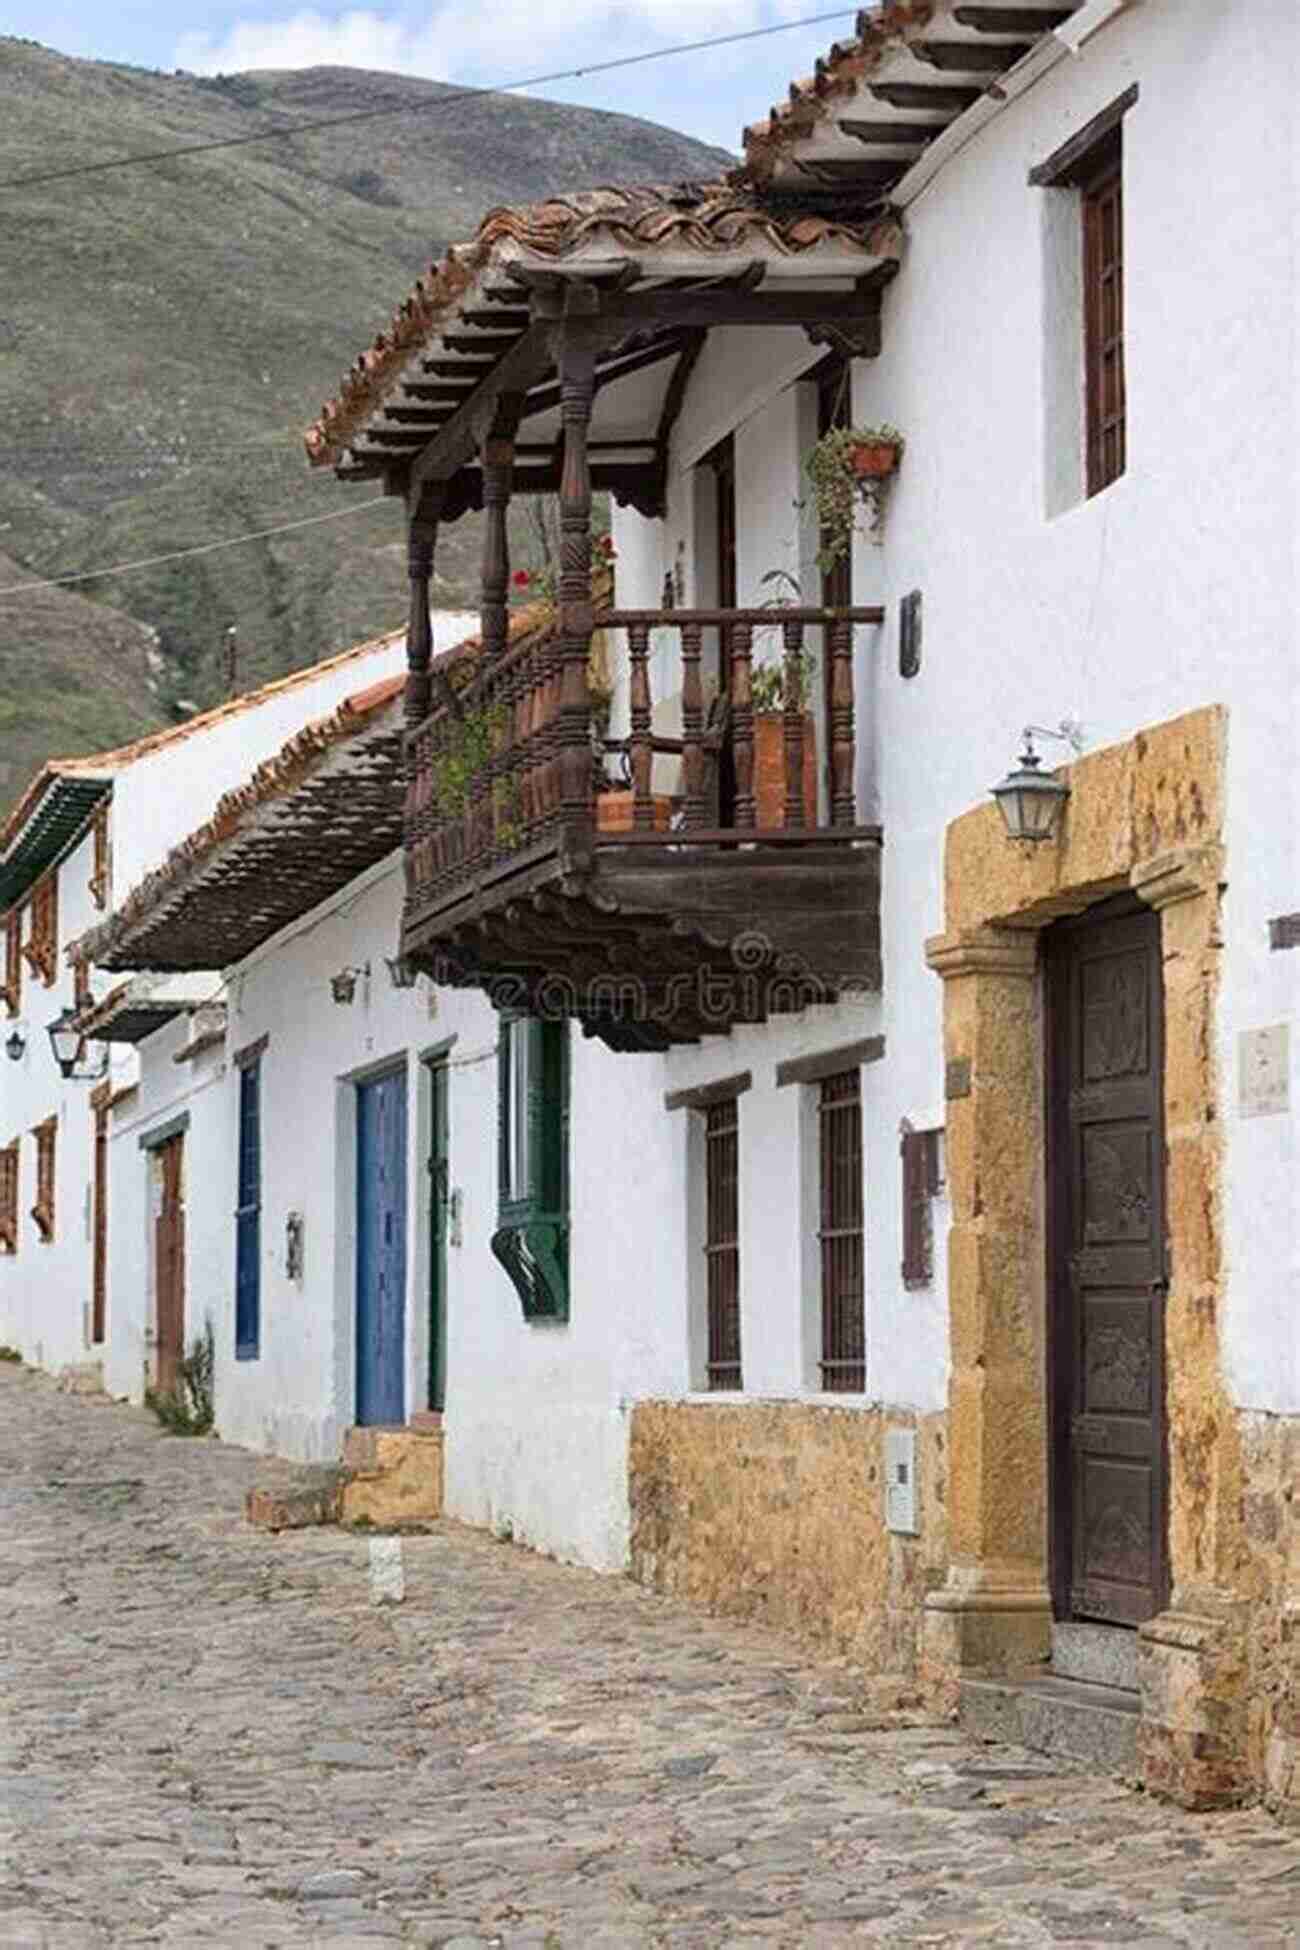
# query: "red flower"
521,578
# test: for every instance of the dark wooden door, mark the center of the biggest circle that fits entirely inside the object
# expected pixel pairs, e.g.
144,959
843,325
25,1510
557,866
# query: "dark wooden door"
1107,1222
439,1209
169,1259
381,1249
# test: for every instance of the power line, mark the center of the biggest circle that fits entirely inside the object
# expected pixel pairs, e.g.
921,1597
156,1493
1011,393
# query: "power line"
451,100
180,554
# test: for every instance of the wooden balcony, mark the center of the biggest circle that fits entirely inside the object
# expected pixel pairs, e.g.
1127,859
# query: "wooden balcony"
690,901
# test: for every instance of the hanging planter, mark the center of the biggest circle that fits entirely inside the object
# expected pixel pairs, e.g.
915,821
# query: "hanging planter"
849,470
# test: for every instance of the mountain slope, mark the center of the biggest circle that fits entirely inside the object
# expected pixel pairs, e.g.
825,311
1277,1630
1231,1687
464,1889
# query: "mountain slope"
166,332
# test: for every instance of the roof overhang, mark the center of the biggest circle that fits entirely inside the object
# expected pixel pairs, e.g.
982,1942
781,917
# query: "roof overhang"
878,106
137,1008
46,825
326,808
650,271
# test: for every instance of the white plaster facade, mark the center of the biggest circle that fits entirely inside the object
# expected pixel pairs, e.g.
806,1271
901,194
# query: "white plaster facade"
1172,589
158,790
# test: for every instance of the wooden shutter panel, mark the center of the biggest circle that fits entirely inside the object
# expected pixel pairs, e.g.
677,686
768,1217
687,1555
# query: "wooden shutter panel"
916,1210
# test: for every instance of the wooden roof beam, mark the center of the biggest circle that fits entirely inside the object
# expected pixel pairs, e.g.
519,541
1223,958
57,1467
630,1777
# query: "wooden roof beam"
970,57
920,94
455,441
1012,20
904,135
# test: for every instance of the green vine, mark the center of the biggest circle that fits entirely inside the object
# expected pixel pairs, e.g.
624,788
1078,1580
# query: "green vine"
472,740
837,491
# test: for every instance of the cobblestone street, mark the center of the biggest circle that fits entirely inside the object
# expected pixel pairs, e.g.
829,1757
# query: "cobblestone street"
211,1735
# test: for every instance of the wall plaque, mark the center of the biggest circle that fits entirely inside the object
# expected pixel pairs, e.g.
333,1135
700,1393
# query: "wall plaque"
1264,1071
956,1079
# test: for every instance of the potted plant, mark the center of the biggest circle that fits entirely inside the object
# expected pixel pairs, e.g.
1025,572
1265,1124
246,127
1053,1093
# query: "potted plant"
768,694
848,469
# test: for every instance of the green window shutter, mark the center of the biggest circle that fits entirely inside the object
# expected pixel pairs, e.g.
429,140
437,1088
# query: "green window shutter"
532,1237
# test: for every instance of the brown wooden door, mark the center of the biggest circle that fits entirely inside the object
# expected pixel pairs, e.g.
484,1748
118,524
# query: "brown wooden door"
169,1259
1106,1154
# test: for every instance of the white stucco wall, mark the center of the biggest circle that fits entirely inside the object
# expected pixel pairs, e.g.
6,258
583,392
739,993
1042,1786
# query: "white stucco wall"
1174,589
165,793
536,1422
45,1288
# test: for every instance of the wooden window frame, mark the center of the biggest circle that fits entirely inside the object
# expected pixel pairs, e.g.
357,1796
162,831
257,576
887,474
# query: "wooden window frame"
13,983
724,1371
922,1179
841,1234
43,1210
10,1174
1105,410
531,1241
41,951
1092,163
101,873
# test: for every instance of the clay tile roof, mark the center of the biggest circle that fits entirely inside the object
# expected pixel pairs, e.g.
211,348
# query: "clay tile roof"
57,799
326,807
878,31
709,219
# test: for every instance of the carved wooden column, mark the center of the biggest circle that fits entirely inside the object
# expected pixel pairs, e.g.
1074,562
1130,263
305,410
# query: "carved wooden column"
498,459
577,361
424,509
421,534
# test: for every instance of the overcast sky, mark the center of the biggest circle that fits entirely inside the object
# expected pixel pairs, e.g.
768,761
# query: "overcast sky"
710,95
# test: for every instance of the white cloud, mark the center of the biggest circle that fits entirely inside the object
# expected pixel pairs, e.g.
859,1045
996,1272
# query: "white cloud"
496,40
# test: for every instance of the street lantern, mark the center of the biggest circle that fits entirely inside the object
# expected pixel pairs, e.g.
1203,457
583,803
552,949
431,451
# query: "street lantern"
1029,799
67,1043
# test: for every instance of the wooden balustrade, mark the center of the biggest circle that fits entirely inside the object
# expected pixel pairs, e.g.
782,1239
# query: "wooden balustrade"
504,776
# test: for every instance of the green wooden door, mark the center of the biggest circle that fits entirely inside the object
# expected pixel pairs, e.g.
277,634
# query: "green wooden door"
439,1210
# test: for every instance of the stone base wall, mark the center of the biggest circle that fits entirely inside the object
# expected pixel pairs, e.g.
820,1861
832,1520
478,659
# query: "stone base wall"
1271,1584
775,1511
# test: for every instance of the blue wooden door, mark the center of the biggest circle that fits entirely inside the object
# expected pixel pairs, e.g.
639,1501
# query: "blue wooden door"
381,1249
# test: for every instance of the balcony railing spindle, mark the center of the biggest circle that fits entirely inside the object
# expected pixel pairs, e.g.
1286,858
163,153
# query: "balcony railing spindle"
694,809
843,812
792,723
639,746
742,720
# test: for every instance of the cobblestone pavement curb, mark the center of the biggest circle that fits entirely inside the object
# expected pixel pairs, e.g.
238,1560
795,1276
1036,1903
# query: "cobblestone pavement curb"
210,1735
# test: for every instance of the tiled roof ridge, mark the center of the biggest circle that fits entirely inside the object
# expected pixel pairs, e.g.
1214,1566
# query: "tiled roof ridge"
712,216
275,778
108,763
877,31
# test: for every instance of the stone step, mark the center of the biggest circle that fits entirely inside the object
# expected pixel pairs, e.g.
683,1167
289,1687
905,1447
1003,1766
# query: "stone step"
1096,1724
312,1497
1101,1655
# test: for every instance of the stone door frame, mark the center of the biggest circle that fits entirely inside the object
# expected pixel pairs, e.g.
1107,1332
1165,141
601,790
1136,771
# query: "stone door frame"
1147,816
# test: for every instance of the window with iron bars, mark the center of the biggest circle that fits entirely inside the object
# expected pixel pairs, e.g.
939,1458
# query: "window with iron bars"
1103,297
722,1241
843,1363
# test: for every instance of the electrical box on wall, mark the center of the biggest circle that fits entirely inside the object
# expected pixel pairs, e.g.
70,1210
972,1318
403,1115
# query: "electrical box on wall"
900,1481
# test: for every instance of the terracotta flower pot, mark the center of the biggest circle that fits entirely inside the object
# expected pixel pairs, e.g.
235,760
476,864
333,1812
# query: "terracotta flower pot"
614,812
769,769
872,461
